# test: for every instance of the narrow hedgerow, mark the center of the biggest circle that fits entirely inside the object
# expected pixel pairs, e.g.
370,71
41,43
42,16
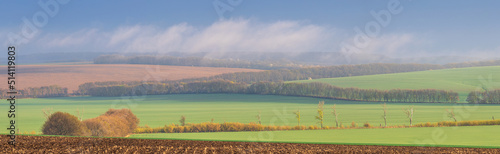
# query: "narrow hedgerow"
236,126
214,127
223,127
459,123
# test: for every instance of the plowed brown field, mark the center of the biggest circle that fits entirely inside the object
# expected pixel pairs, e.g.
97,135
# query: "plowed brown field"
44,144
71,76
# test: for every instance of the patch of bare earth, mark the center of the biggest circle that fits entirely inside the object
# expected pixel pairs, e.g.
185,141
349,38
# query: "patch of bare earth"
71,76
44,144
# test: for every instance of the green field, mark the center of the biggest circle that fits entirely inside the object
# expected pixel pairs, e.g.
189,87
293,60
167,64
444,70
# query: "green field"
158,110
478,136
461,80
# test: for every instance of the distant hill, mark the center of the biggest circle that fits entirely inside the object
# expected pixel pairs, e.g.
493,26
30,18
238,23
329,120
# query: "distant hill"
266,58
461,80
333,58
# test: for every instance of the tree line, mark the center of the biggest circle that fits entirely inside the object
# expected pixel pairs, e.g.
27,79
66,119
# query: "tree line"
484,97
316,89
38,92
194,61
318,72
473,64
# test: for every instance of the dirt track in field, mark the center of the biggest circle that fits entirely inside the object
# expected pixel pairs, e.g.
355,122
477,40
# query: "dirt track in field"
71,76
39,144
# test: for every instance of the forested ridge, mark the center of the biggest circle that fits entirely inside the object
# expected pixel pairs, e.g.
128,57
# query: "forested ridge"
270,64
318,72
473,64
195,61
268,88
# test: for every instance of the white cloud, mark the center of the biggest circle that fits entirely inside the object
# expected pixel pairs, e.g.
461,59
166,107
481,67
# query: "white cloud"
239,35
243,36
235,35
81,37
122,34
151,39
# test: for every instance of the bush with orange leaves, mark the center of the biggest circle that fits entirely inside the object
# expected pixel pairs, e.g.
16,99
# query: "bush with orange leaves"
460,123
113,123
62,123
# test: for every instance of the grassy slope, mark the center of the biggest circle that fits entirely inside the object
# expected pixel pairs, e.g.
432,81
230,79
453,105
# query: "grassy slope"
482,136
159,110
462,80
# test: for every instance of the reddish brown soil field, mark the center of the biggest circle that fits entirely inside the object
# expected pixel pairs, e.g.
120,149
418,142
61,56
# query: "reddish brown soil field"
39,144
71,76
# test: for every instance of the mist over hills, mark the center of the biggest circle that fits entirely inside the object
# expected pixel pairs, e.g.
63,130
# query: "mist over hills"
304,58
337,58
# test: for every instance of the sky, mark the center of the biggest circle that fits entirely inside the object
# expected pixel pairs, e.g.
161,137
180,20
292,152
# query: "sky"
396,28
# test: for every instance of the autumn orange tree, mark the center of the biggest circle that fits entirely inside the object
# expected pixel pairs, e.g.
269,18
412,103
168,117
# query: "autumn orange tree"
113,123
62,123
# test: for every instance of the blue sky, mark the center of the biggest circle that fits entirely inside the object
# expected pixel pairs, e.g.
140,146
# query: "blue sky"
422,28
